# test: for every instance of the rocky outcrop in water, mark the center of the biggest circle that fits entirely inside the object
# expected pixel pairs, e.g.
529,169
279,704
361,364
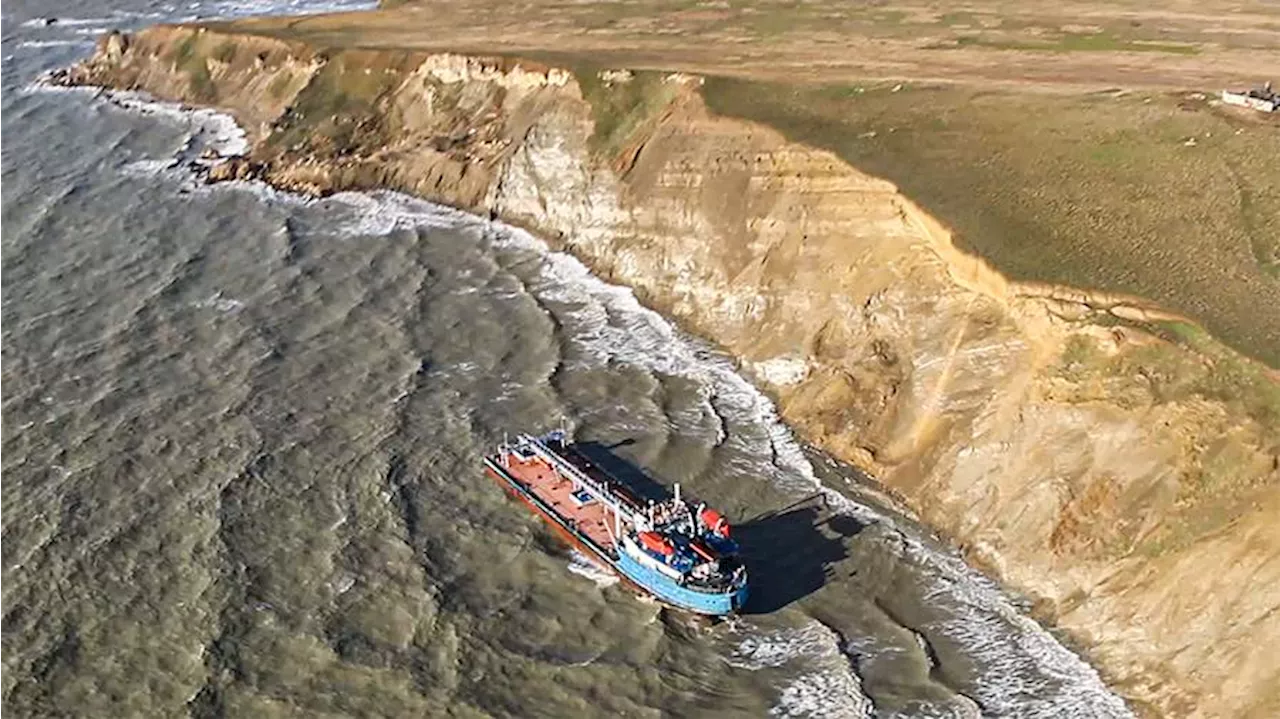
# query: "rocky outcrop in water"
1125,483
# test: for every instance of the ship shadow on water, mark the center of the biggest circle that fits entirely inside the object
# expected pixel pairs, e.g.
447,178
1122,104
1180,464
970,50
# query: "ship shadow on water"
603,456
789,552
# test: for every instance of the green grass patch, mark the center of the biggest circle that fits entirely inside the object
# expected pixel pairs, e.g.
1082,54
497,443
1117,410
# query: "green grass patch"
1212,371
1264,243
952,19
1112,152
1094,191
1190,363
340,98
1076,42
185,50
1080,352
279,86
889,17
619,108
202,87
226,52
189,58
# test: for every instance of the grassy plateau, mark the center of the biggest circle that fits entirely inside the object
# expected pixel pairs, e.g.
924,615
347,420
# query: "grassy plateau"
1075,143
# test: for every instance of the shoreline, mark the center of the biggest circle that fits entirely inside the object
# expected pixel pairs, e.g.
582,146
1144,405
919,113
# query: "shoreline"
888,508
917,430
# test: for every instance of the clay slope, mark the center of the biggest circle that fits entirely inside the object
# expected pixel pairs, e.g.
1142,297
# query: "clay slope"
1125,483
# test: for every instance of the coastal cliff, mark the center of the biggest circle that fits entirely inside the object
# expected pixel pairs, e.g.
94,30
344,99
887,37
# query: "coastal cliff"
1105,458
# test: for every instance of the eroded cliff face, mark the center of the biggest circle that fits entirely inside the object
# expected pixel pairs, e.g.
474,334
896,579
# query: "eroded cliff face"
1126,483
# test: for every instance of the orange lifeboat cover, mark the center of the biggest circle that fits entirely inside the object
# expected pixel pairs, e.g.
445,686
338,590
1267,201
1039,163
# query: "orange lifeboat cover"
657,543
710,517
713,521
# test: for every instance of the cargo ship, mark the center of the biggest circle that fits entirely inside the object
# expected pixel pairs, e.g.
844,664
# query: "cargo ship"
678,551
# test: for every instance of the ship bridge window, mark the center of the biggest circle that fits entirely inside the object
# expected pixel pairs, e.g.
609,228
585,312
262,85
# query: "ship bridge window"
525,453
581,497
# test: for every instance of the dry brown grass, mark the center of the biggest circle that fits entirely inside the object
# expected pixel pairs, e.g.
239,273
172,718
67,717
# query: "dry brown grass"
1077,44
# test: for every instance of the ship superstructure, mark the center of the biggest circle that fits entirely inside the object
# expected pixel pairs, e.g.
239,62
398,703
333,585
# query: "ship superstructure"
678,551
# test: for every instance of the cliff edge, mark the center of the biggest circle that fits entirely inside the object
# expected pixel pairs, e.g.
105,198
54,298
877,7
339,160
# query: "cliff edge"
1109,460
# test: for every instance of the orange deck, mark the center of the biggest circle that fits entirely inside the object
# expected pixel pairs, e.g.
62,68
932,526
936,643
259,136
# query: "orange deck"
592,519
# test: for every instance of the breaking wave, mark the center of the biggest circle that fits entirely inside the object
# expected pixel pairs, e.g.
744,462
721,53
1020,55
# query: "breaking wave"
40,44
829,687
198,10
582,566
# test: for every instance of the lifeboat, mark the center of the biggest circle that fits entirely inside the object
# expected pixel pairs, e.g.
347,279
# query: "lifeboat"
655,542
712,520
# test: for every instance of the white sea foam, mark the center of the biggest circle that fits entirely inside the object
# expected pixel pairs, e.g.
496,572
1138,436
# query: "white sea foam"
581,565
218,302
1025,671
207,129
54,43
226,9
149,168
206,10
381,213
759,650
828,693
264,192
241,8
65,21
828,686
42,86
210,129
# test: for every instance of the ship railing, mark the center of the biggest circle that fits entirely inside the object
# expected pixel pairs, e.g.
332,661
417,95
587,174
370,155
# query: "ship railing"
578,477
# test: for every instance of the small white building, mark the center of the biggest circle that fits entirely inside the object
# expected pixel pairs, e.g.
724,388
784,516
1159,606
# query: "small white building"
1262,99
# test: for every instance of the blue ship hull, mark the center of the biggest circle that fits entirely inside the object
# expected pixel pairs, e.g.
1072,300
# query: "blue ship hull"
669,592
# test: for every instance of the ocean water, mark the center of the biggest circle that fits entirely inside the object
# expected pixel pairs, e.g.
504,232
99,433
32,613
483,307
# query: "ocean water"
241,442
